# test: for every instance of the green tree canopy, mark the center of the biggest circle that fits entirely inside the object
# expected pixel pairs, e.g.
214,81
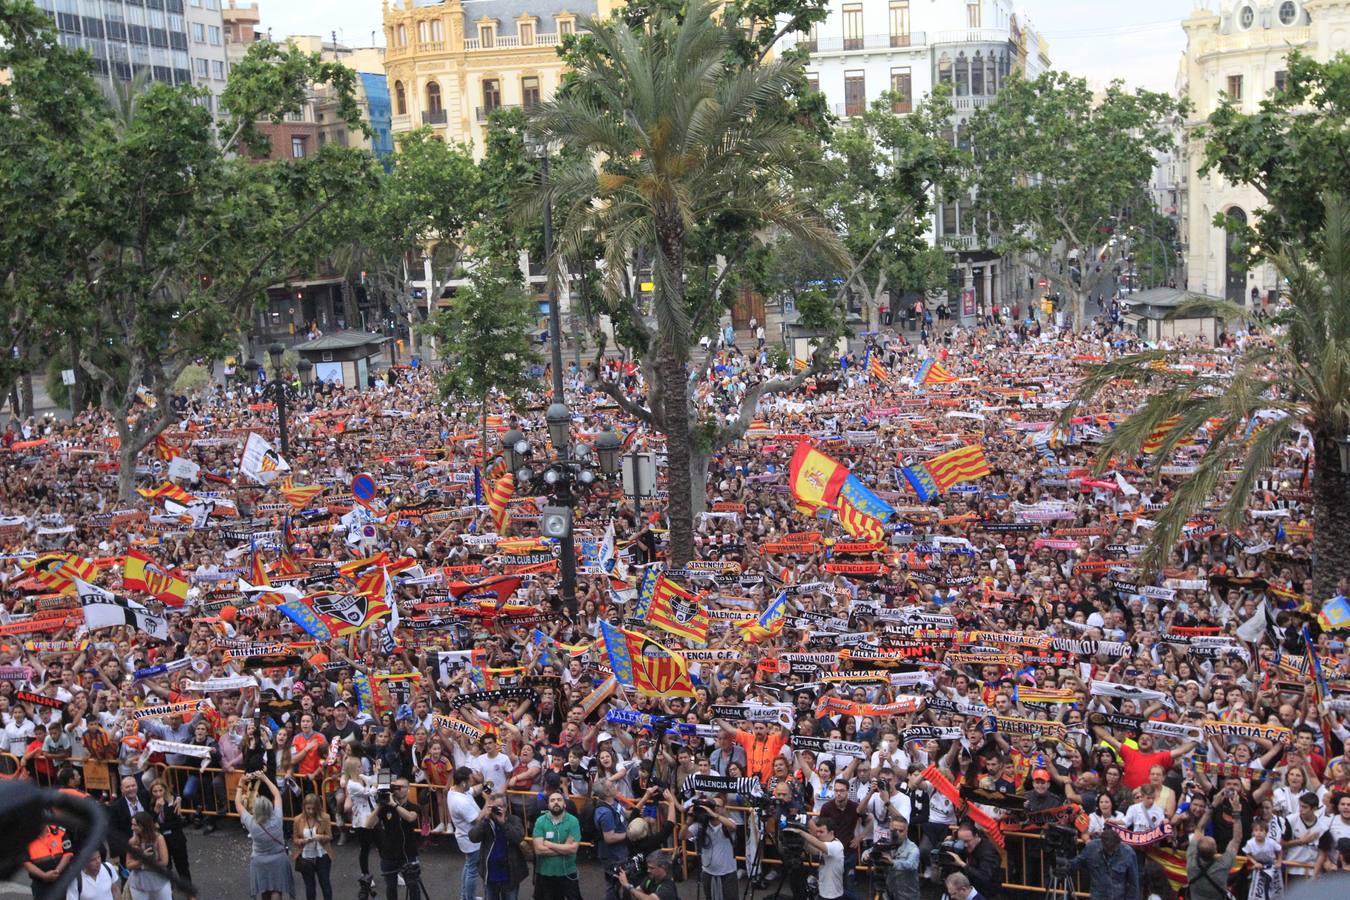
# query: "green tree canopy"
1056,171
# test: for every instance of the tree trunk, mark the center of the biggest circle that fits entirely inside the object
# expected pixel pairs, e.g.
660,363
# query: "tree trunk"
26,394
673,373
350,312
126,460
1331,518
698,481
76,392
483,447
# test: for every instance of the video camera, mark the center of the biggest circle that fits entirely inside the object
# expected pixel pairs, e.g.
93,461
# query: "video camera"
954,846
1061,842
635,868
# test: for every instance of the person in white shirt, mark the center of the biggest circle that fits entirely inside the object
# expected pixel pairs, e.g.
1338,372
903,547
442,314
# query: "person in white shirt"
1304,830
493,765
464,814
18,731
96,881
822,840
1145,815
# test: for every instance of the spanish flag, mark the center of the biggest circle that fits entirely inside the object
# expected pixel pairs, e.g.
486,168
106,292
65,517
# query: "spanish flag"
815,479
141,573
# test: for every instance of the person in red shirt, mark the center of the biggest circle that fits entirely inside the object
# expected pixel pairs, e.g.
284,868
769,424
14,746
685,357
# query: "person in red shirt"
759,745
307,747
1137,761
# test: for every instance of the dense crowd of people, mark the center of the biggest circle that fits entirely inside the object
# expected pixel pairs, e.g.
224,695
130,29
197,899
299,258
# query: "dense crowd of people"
991,694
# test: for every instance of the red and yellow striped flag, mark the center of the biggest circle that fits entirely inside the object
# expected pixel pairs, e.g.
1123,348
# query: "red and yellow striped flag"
1155,439
503,489
963,464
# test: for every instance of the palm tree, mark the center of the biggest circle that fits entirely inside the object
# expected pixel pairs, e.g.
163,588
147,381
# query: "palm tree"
1300,379
667,138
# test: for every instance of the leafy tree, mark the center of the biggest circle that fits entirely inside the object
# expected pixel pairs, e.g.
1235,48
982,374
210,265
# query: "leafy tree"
178,237
883,170
1056,169
667,142
485,339
1294,150
1302,379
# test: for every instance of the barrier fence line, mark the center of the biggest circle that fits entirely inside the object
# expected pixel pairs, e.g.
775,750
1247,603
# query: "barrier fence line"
209,792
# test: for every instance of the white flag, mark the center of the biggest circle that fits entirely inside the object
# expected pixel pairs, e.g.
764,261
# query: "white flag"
261,462
103,609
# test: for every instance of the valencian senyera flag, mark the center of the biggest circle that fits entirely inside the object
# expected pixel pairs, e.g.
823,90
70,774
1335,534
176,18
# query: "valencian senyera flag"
940,473
644,665
677,611
933,372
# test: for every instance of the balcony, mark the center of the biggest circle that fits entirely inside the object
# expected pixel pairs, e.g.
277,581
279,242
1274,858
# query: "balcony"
431,47
481,113
510,42
967,103
848,110
435,117
915,40
972,36
959,242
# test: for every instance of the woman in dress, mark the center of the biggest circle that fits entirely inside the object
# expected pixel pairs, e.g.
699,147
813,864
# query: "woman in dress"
313,840
145,838
169,820
270,866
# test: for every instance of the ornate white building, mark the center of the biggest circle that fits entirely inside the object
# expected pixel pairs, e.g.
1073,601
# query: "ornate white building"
1238,49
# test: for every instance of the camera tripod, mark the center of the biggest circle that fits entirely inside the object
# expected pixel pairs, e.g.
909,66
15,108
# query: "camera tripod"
1059,886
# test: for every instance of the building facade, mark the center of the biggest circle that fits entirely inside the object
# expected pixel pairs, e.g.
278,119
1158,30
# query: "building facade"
171,41
1238,49
865,48
450,63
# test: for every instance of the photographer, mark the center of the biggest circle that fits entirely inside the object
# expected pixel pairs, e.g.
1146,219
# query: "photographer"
395,824
830,875
902,877
981,863
714,834
658,885
501,864
1112,867
611,828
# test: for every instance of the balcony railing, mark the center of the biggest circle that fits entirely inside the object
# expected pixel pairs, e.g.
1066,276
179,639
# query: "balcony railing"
972,36
959,241
504,41
434,117
915,40
430,46
960,103
481,113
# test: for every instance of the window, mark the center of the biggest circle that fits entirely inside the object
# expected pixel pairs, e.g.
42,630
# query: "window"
297,147
962,75
811,40
853,27
199,32
526,33
492,95
218,69
973,15
213,32
1281,80
1288,12
1246,16
529,91
423,32
1234,87
437,30
813,82
945,69
855,93
977,74
433,97
487,36
403,35
400,99
899,23
902,86
200,67
566,27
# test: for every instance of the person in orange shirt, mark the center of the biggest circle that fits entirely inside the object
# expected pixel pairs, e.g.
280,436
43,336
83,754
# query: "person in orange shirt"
307,747
759,745
437,769
48,856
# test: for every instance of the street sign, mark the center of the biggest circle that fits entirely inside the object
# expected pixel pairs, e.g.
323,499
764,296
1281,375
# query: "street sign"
363,489
1043,283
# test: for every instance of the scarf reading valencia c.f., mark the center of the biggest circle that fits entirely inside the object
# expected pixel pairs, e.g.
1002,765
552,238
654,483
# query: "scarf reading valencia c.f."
508,693
169,709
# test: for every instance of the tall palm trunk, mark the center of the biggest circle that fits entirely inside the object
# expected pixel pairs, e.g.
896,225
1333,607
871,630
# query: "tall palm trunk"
674,375
1331,518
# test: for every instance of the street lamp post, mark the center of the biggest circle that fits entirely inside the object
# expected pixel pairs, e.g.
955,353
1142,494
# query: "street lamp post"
279,391
563,478
539,149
